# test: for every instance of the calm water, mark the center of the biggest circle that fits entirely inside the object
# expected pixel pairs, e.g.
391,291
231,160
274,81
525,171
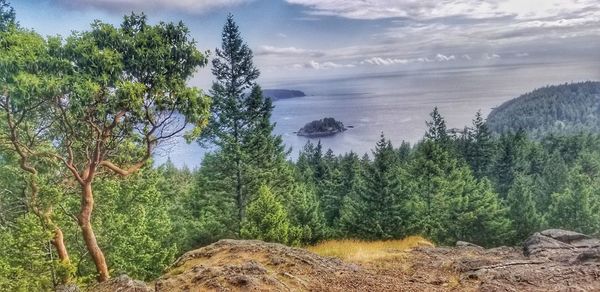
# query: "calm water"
397,104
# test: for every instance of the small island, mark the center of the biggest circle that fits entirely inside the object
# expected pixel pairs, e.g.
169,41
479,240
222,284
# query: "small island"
321,128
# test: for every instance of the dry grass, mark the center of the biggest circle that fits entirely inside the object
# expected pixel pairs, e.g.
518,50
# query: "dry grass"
368,251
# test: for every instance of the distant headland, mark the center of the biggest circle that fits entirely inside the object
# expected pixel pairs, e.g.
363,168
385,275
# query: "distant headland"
276,94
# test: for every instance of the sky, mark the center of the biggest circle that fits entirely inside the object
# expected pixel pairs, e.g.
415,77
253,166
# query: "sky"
312,39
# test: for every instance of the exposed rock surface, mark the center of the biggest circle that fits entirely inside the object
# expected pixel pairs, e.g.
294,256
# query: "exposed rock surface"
552,260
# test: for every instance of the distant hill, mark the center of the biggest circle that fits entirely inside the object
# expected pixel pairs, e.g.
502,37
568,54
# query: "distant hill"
566,108
276,94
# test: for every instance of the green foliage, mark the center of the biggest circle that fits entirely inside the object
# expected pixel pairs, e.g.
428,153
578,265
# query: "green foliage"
112,93
448,203
249,154
479,151
377,211
266,219
133,223
307,223
25,256
567,108
7,15
522,207
578,206
436,128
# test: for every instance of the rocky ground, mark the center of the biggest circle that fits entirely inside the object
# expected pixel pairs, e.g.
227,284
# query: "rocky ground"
552,260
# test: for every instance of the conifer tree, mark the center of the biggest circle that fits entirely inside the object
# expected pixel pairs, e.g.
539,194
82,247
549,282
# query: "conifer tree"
523,212
578,206
377,212
480,150
266,219
307,224
436,129
249,154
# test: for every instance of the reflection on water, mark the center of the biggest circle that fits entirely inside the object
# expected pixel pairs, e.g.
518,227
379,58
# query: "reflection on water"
398,104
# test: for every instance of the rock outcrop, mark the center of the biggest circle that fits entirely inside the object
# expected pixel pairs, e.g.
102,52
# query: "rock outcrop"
551,260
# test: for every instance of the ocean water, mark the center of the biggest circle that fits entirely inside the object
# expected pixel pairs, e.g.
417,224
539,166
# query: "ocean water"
396,104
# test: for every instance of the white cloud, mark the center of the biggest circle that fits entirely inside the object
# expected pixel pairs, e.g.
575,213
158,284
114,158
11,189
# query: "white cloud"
467,57
326,65
430,9
384,61
186,6
286,51
444,58
491,56
379,61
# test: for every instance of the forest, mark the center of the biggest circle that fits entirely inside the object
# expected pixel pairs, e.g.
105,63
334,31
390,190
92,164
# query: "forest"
566,108
80,199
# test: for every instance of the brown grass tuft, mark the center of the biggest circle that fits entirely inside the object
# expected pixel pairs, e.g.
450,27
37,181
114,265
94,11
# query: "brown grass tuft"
368,251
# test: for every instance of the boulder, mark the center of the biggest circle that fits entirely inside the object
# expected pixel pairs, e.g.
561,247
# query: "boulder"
559,244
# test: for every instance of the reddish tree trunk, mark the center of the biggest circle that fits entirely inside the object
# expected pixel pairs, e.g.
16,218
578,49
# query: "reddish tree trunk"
84,218
61,249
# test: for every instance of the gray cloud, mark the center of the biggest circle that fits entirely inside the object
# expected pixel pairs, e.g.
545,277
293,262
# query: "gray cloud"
185,6
431,9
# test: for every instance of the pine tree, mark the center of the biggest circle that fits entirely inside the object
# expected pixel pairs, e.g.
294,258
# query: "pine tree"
436,129
523,212
266,219
480,150
577,207
240,126
447,203
553,179
511,159
307,224
377,212
265,154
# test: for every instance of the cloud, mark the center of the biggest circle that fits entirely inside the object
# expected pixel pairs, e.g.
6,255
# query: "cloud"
379,61
384,61
185,6
443,58
431,9
326,65
491,56
286,51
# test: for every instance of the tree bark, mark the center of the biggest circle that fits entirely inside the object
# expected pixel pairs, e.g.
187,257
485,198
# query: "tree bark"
59,244
84,218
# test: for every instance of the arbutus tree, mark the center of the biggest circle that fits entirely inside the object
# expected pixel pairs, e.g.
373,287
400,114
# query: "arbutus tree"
122,93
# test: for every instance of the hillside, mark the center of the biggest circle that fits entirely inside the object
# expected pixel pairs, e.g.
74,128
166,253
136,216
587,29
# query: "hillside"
567,108
552,260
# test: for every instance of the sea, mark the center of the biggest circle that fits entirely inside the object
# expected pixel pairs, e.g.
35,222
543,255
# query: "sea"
396,104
